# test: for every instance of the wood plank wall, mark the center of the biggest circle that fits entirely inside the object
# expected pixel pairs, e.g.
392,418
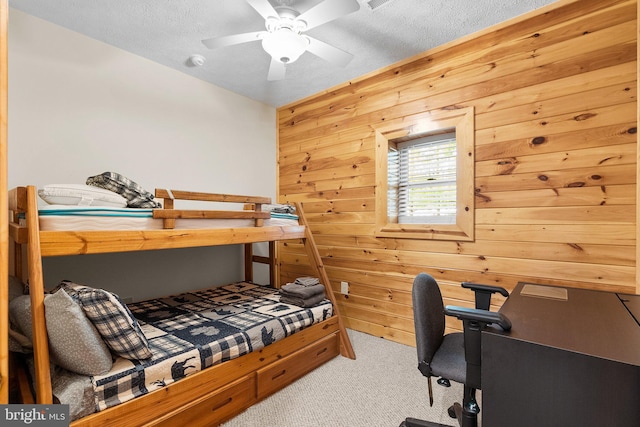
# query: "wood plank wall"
554,93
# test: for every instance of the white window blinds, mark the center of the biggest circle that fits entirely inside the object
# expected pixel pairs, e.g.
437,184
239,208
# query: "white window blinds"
422,180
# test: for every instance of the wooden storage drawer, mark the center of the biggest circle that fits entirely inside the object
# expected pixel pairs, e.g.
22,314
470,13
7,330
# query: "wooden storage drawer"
215,407
283,372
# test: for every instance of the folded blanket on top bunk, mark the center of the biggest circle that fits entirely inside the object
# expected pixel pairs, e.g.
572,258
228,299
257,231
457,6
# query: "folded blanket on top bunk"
137,197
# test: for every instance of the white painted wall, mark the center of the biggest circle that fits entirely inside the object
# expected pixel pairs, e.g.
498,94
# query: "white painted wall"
79,107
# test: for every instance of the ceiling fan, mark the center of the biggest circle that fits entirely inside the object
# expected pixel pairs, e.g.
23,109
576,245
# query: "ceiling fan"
284,39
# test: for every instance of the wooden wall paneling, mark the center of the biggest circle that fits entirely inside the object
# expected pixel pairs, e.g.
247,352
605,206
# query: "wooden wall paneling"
555,95
624,132
566,86
622,92
579,120
572,178
532,35
573,196
488,70
570,252
637,157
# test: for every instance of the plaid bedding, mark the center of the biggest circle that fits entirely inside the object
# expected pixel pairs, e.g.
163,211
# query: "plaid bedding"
195,330
137,197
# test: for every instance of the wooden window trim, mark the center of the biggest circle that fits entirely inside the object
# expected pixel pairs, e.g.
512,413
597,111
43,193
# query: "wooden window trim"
462,120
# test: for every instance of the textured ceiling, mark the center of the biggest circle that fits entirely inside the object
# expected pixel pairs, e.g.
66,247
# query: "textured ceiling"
170,31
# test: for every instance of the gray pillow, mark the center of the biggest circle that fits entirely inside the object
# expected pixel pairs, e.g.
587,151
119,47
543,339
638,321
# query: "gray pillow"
74,343
20,321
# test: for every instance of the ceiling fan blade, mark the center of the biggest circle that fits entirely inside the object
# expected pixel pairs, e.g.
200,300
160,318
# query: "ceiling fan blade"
223,41
329,53
327,11
264,8
276,70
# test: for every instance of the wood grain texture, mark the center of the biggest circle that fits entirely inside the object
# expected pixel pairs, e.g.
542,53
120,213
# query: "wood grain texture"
4,213
556,158
637,161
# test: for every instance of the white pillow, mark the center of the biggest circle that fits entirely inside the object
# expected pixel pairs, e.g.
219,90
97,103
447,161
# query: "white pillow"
80,195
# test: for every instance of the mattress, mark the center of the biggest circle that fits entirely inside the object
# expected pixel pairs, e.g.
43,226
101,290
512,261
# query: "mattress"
76,218
194,330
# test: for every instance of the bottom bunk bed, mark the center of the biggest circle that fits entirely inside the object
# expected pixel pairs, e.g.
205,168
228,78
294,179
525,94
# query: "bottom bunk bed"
212,353
241,332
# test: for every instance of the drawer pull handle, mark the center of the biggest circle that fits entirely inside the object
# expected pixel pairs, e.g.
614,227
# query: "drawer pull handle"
221,404
279,374
324,350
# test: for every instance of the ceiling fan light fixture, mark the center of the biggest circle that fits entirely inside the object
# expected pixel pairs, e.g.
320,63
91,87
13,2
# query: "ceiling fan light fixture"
285,45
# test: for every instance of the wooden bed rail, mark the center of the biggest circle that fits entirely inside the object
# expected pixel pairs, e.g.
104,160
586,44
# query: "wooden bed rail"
167,194
168,214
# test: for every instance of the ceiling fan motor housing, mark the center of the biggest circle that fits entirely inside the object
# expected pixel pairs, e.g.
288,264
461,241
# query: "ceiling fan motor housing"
285,43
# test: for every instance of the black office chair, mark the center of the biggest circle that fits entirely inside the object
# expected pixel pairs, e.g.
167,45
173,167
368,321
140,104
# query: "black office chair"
454,356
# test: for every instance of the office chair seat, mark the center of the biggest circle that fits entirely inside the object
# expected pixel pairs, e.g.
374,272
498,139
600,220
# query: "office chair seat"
449,362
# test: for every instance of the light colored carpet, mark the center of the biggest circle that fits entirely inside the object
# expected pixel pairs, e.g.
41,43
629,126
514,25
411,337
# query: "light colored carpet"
379,389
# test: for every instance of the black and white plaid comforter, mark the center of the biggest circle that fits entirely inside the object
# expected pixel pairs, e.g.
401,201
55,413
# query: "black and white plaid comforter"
195,330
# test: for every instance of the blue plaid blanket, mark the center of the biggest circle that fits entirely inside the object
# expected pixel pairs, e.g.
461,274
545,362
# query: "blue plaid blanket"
192,331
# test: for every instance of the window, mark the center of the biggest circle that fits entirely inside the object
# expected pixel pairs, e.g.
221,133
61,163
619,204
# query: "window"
422,180
424,176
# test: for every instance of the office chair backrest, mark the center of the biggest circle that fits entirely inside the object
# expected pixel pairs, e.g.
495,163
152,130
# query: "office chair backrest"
428,313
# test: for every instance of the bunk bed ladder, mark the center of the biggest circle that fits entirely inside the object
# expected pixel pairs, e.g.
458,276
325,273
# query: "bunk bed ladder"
316,263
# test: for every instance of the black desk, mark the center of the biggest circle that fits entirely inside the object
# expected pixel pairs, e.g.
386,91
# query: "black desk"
566,362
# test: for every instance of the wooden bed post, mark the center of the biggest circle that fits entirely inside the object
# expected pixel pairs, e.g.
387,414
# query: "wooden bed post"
316,262
4,213
270,260
36,290
248,262
273,266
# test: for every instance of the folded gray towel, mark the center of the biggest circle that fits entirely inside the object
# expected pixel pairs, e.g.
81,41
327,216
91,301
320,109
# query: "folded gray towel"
307,281
302,302
299,291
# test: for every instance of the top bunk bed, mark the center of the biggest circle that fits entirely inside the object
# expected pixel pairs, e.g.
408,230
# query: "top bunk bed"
45,232
90,230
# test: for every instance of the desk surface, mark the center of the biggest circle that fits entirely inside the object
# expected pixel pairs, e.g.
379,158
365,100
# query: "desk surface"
589,322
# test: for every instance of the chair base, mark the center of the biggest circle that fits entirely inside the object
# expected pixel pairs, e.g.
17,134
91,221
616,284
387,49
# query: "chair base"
414,422
464,418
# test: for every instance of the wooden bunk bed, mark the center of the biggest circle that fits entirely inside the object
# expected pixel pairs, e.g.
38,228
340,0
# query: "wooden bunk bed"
216,393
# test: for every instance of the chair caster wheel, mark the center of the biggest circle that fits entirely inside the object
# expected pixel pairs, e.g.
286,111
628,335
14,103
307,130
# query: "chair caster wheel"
452,412
444,382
